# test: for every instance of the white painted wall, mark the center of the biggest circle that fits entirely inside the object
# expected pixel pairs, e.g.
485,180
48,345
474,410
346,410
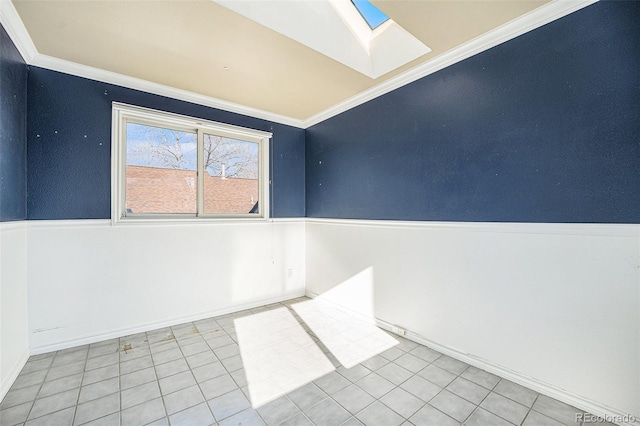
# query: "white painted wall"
89,280
553,306
14,347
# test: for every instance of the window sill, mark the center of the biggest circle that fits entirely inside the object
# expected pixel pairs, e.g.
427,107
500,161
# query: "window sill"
129,221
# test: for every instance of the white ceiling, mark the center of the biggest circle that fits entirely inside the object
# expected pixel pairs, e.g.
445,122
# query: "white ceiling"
204,52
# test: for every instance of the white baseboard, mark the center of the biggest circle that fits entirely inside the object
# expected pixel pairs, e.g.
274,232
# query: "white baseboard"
13,374
577,401
165,323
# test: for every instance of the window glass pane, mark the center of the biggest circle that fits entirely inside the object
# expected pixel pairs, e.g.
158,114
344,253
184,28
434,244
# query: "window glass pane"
371,14
231,175
161,170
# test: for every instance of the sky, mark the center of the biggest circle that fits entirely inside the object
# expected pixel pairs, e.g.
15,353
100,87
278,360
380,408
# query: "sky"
159,147
374,16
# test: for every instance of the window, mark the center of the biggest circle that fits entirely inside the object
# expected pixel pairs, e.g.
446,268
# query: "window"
170,166
373,16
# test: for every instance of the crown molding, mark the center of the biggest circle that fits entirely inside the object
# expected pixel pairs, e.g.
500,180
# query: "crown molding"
12,23
543,15
14,26
551,11
92,73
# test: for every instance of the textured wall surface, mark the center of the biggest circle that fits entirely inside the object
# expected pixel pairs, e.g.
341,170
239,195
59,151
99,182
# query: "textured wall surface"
13,122
69,146
543,128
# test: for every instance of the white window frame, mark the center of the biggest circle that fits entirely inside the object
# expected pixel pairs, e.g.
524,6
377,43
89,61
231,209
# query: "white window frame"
123,113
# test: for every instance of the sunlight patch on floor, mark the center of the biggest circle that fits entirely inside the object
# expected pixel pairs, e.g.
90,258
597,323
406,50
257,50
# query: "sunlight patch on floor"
350,339
278,355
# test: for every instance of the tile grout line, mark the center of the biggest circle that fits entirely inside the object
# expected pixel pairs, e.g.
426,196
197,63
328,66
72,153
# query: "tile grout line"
155,373
75,411
329,396
44,379
459,375
354,415
204,398
460,396
530,409
232,378
148,344
118,391
483,399
121,345
442,388
218,360
132,372
436,395
285,395
60,378
228,330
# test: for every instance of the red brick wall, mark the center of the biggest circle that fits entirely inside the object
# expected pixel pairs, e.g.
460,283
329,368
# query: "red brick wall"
158,190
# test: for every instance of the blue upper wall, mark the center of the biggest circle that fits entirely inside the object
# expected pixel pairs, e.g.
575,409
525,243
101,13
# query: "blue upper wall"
543,128
69,146
13,131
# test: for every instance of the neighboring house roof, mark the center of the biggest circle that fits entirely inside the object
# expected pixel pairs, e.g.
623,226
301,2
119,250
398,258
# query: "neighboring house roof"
158,190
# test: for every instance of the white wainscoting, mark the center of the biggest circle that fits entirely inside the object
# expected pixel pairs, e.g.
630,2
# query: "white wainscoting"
555,307
14,347
89,280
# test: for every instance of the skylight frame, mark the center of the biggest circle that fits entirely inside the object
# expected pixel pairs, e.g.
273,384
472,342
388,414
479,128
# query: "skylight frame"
342,34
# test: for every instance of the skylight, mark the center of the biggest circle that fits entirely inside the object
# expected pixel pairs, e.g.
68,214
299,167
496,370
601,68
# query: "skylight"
352,32
371,14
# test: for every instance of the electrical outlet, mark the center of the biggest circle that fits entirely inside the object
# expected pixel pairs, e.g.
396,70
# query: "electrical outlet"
290,273
397,330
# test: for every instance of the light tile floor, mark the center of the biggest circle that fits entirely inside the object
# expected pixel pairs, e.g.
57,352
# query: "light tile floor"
192,374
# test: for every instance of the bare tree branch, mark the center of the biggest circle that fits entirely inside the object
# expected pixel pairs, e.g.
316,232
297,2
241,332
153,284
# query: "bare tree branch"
166,148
